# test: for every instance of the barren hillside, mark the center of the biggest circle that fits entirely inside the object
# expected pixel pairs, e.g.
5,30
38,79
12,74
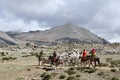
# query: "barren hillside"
69,30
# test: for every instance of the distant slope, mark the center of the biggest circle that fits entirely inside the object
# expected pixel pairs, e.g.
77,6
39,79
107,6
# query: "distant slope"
6,39
60,33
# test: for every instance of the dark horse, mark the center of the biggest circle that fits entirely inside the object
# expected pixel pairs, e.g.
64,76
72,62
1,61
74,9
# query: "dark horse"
54,60
95,60
90,60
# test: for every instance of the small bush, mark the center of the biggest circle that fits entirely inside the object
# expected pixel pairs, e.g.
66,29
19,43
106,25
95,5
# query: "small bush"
104,64
5,58
62,77
28,69
79,68
20,78
101,73
71,78
72,68
113,70
8,58
54,74
115,78
112,66
2,53
24,53
82,68
115,62
45,76
12,58
34,54
7,53
71,71
91,70
78,76
109,59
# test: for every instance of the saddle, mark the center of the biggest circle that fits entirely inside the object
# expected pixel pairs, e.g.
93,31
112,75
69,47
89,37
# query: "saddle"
55,59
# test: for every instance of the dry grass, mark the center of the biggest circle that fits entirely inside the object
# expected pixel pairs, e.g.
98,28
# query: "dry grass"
25,67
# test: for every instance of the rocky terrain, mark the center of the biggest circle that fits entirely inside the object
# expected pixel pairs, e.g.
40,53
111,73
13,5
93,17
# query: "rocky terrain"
68,33
20,63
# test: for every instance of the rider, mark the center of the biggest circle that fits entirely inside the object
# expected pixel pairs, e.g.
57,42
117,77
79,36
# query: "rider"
40,55
84,53
54,55
93,52
94,57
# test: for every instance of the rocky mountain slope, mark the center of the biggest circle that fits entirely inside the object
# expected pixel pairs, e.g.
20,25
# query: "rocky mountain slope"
68,32
6,39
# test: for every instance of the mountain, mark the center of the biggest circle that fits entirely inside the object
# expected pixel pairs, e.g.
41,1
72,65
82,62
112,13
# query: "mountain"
65,33
5,39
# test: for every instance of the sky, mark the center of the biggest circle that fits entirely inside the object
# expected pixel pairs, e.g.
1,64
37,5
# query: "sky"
101,17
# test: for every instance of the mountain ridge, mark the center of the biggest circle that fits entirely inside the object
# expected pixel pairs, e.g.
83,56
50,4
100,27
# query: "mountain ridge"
69,30
67,33
5,39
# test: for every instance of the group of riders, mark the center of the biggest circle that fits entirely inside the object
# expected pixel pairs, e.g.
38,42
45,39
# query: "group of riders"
92,53
83,56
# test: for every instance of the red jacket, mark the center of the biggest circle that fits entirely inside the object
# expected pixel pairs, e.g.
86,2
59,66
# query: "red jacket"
84,54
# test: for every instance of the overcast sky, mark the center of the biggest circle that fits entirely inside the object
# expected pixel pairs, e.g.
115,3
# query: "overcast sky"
102,17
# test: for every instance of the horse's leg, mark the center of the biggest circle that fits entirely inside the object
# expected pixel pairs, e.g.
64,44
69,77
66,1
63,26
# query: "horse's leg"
43,61
51,62
56,63
81,62
90,61
85,62
95,62
38,62
98,60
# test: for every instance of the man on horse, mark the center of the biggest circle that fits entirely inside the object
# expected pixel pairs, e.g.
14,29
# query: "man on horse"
54,56
84,54
54,59
93,52
40,55
84,58
94,57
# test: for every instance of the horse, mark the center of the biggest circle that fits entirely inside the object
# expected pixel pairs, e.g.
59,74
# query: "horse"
54,60
71,58
85,60
90,60
94,59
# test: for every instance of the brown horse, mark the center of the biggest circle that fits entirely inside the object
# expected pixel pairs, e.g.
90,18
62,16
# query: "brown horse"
85,60
54,61
90,60
94,60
